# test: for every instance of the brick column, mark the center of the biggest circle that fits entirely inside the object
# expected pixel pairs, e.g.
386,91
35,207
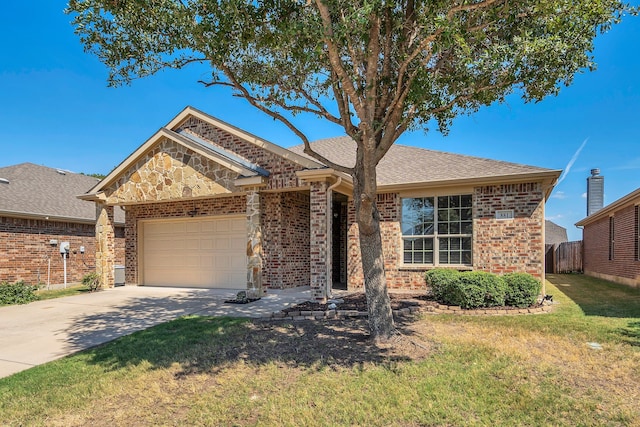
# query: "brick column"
254,243
105,245
320,262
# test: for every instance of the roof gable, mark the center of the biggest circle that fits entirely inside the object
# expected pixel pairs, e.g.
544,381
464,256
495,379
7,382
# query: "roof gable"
178,131
180,143
39,191
173,167
188,112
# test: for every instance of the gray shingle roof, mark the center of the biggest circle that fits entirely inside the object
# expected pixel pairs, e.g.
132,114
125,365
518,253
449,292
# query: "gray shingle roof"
40,190
404,164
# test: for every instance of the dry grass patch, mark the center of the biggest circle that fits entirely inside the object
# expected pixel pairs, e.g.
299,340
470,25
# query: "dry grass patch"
442,370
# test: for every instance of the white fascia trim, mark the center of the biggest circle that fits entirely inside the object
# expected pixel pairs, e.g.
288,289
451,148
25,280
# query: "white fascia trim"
252,181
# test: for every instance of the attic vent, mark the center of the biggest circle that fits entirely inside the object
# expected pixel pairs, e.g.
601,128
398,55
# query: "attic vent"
61,172
4,181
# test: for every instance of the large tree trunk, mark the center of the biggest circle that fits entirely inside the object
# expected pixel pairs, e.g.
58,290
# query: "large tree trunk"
368,219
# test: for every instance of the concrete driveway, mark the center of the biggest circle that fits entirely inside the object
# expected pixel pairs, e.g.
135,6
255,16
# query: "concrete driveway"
42,331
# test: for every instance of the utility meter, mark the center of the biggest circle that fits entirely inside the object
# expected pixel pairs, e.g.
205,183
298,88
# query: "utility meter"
64,249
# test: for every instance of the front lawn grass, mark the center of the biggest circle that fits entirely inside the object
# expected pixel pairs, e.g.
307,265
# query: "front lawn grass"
446,370
70,290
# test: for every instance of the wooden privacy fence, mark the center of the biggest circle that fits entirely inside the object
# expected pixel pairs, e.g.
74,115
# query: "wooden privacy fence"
564,258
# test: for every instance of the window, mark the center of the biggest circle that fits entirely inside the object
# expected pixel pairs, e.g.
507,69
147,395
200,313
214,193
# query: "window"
637,234
611,238
437,230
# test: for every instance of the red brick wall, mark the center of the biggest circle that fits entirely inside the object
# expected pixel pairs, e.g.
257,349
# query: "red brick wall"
25,250
623,267
282,171
181,209
513,245
320,263
398,277
285,224
285,232
500,246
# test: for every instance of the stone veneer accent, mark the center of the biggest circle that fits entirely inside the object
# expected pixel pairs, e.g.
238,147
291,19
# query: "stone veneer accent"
170,172
178,181
499,246
254,243
282,172
105,245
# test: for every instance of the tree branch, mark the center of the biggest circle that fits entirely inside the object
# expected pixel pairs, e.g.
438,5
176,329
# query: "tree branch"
335,59
277,116
371,77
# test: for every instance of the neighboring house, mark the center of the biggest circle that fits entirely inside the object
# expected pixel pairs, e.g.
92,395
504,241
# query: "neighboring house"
210,205
554,234
611,239
39,210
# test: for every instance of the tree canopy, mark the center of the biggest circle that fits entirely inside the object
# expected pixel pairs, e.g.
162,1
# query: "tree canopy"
383,65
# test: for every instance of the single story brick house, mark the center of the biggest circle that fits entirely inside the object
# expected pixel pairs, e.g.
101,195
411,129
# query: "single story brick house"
39,210
210,205
611,241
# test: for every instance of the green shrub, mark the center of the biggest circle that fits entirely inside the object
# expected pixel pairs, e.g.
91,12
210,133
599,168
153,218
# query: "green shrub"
481,289
471,289
17,293
440,280
92,281
522,289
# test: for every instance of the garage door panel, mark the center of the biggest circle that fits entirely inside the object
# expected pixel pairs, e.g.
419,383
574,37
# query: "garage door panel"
193,244
161,261
238,245
193,227
195,253
238,264
208,226
223,244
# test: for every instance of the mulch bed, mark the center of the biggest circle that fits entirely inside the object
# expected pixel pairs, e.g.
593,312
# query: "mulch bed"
358,301
399,301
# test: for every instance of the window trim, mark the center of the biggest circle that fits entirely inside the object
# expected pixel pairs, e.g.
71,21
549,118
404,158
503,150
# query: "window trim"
435,236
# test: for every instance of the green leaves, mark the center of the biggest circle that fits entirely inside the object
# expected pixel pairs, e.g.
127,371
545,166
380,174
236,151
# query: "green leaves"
386,65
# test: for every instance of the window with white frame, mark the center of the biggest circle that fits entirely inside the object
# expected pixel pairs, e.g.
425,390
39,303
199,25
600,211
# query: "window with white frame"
437,230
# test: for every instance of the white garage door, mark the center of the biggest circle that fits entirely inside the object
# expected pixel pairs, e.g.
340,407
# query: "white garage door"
203,252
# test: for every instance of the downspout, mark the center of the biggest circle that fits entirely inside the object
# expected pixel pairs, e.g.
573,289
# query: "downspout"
329,252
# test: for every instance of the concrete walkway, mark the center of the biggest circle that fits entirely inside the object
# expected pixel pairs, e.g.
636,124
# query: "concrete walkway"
43,331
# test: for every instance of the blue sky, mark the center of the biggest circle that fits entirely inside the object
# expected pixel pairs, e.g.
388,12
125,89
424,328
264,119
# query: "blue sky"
57,111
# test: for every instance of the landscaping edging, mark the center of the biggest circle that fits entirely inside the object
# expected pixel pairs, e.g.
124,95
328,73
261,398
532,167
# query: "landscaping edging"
407,311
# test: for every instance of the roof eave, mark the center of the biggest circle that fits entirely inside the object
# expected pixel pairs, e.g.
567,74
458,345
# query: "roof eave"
45,217
630,199
547,177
